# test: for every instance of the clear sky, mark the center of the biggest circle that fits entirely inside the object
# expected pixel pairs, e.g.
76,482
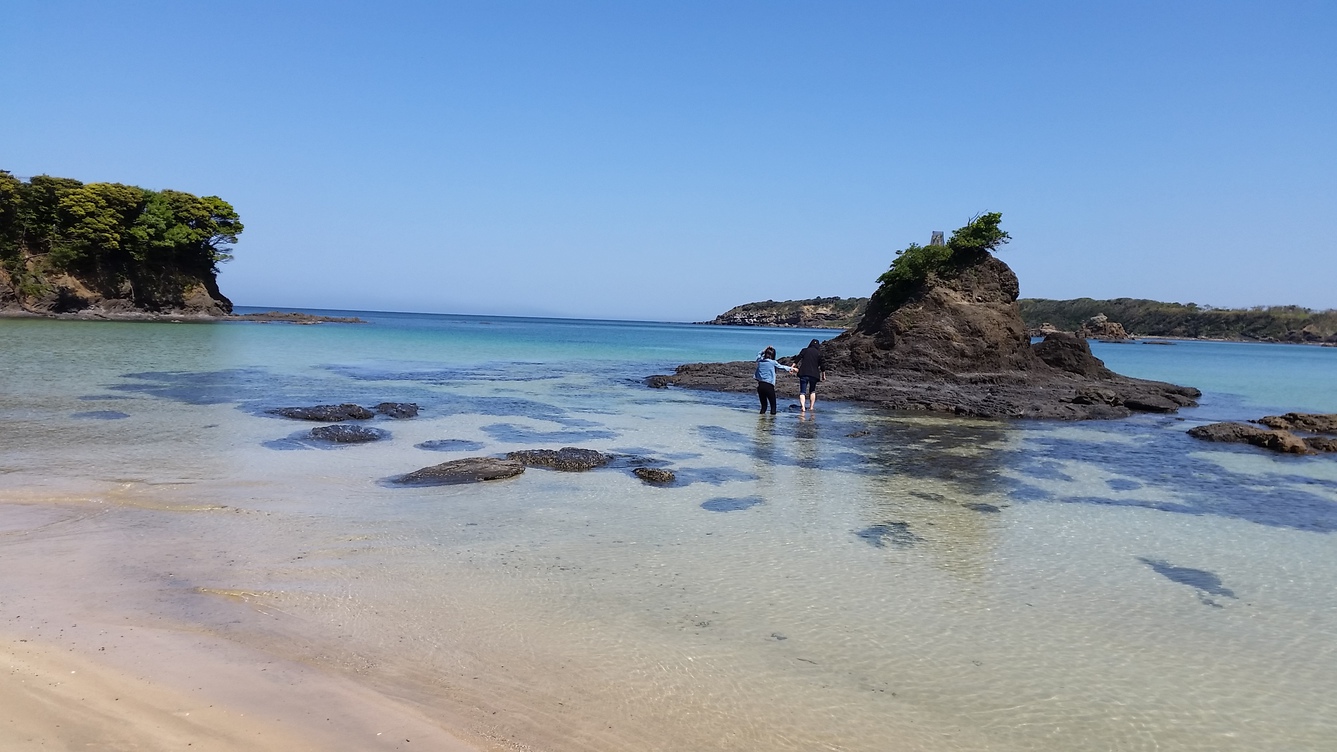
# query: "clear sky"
668,160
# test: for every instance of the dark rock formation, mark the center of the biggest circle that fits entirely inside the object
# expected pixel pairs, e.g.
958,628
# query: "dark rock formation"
1321,443
1307,422
1280,437
657,382
398,410
342,433
955,342
1240,433
654,475
567,459
468,470
325,413
1100,327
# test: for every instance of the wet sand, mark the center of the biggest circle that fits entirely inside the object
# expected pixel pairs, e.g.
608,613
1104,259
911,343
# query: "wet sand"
82,673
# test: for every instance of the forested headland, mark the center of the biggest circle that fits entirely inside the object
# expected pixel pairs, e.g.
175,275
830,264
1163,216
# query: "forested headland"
1151,318
1141,318
68,246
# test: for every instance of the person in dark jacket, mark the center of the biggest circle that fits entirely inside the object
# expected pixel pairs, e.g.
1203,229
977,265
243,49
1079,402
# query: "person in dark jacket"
765,376
809,373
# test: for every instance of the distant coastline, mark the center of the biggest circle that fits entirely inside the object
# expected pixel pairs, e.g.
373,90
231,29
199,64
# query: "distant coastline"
1141,318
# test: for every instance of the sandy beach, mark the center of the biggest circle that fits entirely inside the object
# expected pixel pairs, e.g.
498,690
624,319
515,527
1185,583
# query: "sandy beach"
81,674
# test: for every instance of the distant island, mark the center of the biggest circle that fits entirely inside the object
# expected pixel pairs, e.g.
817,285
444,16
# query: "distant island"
1140,318
813,313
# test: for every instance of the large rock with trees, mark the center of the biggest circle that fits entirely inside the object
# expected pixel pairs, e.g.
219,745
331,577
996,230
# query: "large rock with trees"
943,333
108,248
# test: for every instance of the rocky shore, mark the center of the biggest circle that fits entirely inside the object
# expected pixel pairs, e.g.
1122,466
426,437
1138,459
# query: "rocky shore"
952,340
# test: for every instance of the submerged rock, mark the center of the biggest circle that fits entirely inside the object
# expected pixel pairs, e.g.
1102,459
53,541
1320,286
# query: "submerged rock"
325,413
567,459
398,410
654,475
468,470
1240,433
342,433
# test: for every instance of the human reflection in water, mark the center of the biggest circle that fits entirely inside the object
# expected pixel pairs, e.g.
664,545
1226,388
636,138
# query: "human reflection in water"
928,478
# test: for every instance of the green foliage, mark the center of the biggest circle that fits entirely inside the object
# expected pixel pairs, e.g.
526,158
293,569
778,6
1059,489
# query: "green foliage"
914,265
112,235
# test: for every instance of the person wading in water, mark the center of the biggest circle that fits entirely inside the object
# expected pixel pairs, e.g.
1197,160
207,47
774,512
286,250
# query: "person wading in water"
765,376
809,373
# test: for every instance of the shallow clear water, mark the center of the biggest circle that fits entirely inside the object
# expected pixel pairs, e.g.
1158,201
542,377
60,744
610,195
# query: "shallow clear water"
856,581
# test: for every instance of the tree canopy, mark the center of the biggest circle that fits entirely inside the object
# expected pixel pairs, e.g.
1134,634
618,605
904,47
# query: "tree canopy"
112,235
914,265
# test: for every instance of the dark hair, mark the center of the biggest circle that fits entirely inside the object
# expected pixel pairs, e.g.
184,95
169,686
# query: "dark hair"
814,343
768,353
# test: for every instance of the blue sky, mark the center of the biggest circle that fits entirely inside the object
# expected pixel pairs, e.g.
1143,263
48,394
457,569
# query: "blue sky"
670,160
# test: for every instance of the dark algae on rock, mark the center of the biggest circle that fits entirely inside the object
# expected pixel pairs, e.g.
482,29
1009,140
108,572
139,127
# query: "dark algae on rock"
467,470
943,333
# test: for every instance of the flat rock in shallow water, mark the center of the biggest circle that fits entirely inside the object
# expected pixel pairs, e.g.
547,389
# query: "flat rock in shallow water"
468,470
399,410
1240,433
342,433
567,459
1308,422
325,413
654,475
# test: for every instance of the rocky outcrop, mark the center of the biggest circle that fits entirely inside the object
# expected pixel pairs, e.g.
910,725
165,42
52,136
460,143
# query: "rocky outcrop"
954,341
1280,434
1307,422
1240,433
566,459
467,470
814,313
68,295
1101,328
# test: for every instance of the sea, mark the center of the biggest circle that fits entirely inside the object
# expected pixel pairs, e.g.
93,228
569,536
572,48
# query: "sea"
852,579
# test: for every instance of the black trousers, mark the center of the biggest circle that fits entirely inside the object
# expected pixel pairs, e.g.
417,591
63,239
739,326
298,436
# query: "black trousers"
766,393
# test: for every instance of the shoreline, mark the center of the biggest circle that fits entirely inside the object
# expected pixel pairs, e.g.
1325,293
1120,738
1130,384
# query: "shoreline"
87,669
266,317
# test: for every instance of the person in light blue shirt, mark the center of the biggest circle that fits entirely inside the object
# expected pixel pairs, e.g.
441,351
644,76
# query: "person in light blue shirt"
765,376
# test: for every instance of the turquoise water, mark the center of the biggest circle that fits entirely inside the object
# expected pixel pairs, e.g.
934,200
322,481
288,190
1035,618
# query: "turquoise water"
826,583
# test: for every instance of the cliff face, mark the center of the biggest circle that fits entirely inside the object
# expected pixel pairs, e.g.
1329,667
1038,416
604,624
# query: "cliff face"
173,293
963,324
813,313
